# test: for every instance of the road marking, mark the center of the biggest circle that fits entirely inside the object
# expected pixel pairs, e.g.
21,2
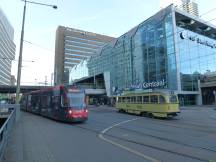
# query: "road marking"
122,146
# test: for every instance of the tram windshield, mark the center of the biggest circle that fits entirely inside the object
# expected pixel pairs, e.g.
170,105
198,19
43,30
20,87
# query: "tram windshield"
76,100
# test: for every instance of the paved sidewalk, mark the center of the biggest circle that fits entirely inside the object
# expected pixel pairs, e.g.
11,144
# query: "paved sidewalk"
26,144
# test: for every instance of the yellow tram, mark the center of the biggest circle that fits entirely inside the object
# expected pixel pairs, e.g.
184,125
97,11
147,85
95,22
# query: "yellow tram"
155,104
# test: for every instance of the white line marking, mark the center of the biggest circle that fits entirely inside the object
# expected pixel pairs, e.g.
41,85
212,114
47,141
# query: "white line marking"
122,146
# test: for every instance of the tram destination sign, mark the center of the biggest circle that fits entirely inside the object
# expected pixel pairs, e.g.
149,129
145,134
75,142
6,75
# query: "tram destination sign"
146,85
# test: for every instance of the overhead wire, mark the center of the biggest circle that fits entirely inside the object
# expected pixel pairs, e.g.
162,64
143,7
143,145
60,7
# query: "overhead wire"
205,13
34,44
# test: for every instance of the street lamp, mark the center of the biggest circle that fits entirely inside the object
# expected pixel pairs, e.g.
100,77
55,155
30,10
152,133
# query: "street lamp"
21,45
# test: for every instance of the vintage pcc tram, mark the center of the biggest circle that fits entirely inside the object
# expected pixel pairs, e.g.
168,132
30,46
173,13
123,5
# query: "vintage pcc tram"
59,103
155,104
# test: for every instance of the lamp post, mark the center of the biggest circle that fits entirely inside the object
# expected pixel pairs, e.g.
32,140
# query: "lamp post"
21,45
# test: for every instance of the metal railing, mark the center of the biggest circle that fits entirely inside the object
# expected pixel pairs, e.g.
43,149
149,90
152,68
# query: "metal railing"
6,128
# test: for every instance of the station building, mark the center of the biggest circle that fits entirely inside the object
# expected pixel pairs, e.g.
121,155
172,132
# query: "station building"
171,51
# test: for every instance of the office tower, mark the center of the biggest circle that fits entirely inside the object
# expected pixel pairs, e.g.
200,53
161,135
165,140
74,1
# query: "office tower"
7,49
73,46
190,6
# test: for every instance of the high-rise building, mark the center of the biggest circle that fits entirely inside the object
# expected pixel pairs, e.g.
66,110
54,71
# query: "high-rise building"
7,49
73,46
190,6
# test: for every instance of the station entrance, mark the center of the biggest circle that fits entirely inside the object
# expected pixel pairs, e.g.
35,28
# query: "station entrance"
208,89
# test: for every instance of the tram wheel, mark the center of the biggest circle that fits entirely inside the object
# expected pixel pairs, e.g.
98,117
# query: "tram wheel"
150,115
121,111
143,113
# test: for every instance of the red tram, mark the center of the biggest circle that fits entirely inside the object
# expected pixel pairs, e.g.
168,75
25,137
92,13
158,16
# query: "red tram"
63,103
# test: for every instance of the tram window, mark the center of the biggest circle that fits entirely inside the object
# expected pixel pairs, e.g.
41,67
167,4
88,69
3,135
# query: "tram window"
21,100
173,99
55,99
133,99
128,99
154,99
35,101
145,99
29,100
56,92
139,99
123,99
119,99
64,101
162,99
45,101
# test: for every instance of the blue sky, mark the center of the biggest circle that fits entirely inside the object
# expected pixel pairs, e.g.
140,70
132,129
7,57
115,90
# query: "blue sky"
109,17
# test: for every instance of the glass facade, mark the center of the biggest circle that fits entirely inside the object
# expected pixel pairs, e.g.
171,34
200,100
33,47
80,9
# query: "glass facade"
144,55
78,71
154,56
197,57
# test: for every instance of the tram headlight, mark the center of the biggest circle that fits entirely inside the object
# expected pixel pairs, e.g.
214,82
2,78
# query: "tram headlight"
70,111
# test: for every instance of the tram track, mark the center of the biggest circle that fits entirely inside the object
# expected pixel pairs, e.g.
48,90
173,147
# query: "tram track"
178,153
199,128
199,125
161,138
166,139
185,125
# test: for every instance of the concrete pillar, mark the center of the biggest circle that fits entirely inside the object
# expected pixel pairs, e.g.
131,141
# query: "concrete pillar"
199,96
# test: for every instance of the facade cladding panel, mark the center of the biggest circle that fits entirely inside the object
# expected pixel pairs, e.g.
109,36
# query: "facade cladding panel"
73,46
171,51
7,49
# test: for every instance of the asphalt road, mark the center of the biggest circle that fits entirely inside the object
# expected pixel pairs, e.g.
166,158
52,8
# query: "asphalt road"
109,136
